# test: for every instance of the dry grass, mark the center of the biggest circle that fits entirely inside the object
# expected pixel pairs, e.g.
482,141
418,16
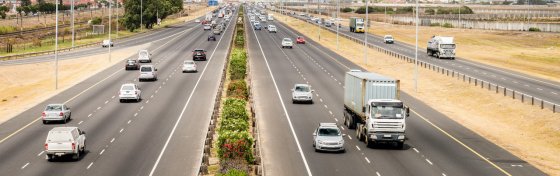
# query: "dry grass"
22,88
506,122
532,53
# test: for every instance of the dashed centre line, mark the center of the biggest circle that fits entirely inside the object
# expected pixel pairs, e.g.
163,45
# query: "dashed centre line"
427,160
89,165
367,160
26,164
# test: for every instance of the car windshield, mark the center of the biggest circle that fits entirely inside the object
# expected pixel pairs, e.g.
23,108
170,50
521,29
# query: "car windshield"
329,132
131,61
146,69
143,53
189,63
54,108
287,40
389,37
302,89
387,112
127,87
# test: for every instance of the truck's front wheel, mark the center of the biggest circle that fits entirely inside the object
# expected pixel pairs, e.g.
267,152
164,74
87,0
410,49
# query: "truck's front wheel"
400,145
369,142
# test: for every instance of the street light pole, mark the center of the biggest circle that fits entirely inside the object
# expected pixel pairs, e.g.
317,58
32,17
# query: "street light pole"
56,50
337,22
365,33
319,15
73,33
117,19
110,41
416,52
141,14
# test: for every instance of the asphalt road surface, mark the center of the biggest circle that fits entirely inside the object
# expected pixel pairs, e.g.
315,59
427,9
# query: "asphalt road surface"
436,145
161,135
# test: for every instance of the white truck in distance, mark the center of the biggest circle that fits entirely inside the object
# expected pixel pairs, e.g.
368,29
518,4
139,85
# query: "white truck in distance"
372,107
441,47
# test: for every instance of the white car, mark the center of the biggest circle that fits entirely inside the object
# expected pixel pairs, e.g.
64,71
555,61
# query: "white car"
388,39
271,28
189,66
130,91
287,43
302,93
56,112
197,21
65,141
207,27
327,137
148,72
256,22
107,43
144,56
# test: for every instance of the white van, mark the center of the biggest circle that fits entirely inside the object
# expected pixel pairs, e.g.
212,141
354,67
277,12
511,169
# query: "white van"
65,141
144,56
148,72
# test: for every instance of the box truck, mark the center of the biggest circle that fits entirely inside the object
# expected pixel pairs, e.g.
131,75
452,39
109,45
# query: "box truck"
373,108
356,25
441,47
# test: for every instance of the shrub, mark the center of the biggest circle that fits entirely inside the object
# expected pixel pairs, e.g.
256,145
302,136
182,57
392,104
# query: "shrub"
7,29
346,9
233,167
235,108
96,21
447,25
235,145
238,89
435,24
238,64
233,125
534,29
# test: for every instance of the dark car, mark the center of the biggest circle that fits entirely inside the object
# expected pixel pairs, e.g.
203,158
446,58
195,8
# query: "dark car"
212,37
258,27
132,65
199,55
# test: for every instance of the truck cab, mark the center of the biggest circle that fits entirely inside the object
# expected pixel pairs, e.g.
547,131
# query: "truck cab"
385,122
441,47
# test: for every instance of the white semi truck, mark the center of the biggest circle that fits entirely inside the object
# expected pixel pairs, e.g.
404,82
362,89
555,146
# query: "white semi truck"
373,108
441,47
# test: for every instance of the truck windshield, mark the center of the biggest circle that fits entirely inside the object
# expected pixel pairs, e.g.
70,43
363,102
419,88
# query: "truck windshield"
359,24
447,46
387,112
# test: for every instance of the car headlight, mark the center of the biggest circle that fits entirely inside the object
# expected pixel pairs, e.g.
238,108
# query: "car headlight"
341,142
320,142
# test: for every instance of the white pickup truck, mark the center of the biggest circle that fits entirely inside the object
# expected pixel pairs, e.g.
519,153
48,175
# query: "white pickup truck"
65,141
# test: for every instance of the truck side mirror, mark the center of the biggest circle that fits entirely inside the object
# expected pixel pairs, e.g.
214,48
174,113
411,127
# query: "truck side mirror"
364,109
83,132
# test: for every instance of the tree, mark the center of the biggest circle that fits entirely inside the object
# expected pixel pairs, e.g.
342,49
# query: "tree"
152,10
3,10
25,3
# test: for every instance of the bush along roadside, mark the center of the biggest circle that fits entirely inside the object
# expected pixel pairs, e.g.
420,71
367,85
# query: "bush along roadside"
233,149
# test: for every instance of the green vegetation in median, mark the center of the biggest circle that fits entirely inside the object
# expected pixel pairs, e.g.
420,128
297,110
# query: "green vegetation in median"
238,89
238,64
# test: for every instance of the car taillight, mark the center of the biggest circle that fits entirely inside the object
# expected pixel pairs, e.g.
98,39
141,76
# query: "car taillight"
61,114
73,146
43,114
46,146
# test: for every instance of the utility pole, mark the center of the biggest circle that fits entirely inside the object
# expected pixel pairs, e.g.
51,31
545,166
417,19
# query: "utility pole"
337,22
117,19
319,15
73,31
110,41
365,33
56,49
416,52
141,14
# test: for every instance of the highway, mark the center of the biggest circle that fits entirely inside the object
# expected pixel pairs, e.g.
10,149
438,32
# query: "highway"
540,88
161,135
436,145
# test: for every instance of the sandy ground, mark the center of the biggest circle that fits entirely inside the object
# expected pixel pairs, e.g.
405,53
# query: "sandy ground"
22,88
532,53
506,122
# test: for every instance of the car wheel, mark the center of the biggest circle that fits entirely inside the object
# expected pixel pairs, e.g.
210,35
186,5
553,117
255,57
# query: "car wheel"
50,157
45,122
69,115
400,145
121,100
65,120
76,156
311,102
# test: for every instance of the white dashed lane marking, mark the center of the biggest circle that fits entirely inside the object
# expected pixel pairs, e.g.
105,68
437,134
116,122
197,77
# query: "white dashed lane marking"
80,122
427,160
89,165
101,153
26,164
41,153
122,129
367,160
415,150
89,115
112,140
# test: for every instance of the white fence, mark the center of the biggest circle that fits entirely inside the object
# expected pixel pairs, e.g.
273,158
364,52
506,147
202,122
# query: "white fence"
487,25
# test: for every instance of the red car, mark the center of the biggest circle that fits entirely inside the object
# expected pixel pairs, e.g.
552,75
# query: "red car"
300,40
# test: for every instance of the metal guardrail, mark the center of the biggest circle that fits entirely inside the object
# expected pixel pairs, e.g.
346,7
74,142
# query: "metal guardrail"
523,97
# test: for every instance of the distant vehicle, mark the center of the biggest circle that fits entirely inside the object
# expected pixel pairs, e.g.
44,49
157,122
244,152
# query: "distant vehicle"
256,22
197,21
441,47
302,93
271,28
300,40
65,141
388,39
270,17
329,23
356,25
217,31
131,64
211,37
144,56
199,55
56,112
328,137
207,27
130,91
214,23
287,43
227,16
148,72
257,27
107,43
373,108
302,14
189,66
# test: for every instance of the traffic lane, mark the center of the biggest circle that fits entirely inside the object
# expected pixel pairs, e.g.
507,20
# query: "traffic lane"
183,152
495,151
280,153
112,111
330,91
128,42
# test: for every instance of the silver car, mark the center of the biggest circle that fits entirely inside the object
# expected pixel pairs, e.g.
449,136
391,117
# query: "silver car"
327,137
56,112
287,43
130,91
144,56
302,93
148,72
189,66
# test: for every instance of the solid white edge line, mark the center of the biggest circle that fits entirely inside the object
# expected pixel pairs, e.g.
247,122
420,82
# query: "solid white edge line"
185,108
283,107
